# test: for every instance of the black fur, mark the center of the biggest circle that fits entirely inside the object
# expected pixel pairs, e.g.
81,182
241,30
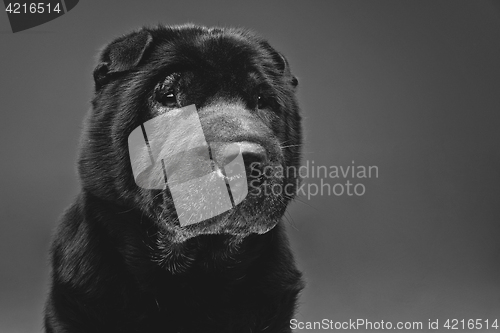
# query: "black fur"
120,260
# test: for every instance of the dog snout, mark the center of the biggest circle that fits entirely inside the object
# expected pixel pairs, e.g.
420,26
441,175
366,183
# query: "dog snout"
225,153
252,153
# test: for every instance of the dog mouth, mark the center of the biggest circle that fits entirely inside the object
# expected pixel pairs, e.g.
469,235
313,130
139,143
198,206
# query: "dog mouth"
208,187
228,198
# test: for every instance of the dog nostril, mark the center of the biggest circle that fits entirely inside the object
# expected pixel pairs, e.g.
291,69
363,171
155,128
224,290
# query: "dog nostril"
253,154
254,159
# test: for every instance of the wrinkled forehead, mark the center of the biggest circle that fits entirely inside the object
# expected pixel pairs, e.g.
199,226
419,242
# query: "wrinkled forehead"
222,53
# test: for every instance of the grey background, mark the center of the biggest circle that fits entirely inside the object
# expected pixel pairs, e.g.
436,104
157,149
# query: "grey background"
412,87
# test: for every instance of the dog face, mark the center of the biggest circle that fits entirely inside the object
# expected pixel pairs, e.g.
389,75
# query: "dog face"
243,92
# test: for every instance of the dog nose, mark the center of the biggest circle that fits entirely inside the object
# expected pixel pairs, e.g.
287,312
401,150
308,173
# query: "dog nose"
254,155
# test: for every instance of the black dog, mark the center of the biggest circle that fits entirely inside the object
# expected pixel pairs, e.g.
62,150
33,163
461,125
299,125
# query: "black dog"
121,262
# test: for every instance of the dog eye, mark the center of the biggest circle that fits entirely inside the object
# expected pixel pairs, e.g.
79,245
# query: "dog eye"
166,98
262,102
165,92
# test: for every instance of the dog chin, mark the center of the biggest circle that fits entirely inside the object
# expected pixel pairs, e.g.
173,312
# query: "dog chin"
239,222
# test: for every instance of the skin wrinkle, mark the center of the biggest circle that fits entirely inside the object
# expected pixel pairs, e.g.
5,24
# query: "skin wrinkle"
130,264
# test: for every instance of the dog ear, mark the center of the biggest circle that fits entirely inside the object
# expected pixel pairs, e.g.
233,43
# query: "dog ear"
282,64
285,68
121,55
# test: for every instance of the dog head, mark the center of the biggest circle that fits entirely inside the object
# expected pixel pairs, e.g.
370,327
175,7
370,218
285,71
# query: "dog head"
243,93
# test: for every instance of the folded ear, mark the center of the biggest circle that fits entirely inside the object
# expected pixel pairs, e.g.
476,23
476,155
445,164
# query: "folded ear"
122,54
281,64
285,68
